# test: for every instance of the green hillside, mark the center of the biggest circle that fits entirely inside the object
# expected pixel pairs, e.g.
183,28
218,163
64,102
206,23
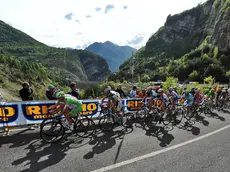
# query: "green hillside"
22,58
190,46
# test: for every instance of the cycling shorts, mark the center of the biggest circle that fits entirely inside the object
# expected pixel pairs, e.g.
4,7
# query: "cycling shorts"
75,109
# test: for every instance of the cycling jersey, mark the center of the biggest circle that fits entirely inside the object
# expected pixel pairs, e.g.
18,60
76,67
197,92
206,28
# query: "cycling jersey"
189,99
113,95
163,97
74,105
211,94
173,94
198,98
150,92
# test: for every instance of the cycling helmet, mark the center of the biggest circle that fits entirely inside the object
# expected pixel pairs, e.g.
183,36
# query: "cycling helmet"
60,94
160,90
170,88
186,91
50,86
107,89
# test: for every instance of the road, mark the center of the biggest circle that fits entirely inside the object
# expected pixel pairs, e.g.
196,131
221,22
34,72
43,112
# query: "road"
202,146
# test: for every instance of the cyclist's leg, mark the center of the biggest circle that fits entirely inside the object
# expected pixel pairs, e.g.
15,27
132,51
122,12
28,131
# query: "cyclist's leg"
67,115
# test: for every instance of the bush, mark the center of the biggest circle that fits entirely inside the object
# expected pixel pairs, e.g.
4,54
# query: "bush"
170,82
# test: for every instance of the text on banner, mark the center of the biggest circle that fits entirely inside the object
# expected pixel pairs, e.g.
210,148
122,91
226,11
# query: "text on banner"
89,108
8,113
36,111
133,105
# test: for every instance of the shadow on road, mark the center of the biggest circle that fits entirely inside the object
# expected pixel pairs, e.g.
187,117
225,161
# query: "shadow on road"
215,116
41,156
161,134
226,111
103,141
202,120
15,142
189,126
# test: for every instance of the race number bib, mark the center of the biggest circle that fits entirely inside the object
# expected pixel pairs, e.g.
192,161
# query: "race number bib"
157,103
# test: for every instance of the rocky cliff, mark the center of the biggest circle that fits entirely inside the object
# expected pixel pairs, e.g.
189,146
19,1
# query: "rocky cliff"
191,45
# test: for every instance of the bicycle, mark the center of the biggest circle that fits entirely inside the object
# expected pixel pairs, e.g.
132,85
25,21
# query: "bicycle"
83,127
111,118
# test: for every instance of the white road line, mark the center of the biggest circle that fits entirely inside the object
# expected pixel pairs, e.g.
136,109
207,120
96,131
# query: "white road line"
130,161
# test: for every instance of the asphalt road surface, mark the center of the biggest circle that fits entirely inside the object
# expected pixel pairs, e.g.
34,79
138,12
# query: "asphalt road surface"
202,146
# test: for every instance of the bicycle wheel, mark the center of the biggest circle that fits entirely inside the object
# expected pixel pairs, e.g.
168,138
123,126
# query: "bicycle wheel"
84,126
167,120
51,130
178,115
106,122
152,119
141,115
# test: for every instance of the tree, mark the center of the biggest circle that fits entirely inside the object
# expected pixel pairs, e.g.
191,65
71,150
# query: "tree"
228,75
145,78
208,80
194,76
170,82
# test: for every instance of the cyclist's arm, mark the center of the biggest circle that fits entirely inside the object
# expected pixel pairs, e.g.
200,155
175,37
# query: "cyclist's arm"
143,99
102,100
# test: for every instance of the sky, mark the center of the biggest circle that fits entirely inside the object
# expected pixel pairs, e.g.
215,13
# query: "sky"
78,23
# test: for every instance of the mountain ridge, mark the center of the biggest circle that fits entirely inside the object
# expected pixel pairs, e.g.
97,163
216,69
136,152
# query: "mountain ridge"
113,53
22,58
21,45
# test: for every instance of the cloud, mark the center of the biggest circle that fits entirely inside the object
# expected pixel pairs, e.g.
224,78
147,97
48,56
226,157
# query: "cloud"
88,16
125,7
78,21
97,9
69,16
109,7
137,39
79,34
100,28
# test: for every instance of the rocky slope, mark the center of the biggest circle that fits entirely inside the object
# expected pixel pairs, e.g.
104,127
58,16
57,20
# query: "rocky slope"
72,64
22,58
191,46
115,55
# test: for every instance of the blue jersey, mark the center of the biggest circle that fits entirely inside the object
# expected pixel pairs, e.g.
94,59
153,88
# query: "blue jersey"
188,98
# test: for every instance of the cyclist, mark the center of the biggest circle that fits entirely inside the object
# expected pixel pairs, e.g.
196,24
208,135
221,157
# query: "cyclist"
223,96
189,99
173,96
165,101
150,92
69,106
113,99
198,99
211,95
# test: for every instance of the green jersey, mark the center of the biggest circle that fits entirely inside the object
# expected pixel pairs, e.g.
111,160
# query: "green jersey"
72,101
211,94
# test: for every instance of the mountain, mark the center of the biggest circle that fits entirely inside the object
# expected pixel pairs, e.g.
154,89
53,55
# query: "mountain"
22,58
190,46
115,55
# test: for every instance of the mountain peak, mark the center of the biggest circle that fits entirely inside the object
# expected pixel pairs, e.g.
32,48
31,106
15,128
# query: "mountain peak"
113,53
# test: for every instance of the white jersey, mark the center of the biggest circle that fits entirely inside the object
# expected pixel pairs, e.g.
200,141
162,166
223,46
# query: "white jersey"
113,95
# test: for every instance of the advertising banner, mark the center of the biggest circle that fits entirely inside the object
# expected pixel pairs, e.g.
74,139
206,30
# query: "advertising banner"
34,112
